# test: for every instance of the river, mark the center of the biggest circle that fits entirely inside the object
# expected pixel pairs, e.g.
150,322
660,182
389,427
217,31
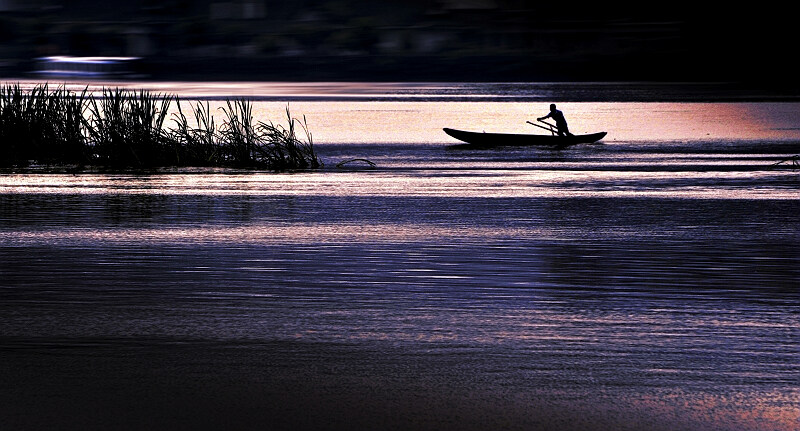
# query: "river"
648,281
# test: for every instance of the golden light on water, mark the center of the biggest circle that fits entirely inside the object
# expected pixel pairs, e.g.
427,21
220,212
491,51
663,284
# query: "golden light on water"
374,113
404,122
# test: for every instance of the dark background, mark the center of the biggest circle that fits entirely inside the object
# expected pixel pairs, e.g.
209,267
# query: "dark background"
410,40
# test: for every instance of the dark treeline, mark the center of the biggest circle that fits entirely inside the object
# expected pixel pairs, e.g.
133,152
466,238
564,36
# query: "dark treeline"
475,40
134,129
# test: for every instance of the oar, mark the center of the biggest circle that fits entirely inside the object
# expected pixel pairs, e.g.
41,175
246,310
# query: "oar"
550,129
553,126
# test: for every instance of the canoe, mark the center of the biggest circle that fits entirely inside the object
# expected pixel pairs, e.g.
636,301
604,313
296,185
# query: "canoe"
479,139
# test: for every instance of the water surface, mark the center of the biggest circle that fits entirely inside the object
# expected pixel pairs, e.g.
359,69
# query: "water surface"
645,282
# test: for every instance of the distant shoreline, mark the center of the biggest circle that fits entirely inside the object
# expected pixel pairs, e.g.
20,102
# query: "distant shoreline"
455,91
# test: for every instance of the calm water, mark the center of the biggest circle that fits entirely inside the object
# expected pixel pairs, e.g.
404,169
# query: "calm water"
646,282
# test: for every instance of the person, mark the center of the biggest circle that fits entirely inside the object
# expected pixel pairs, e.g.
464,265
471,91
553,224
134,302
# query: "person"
561,122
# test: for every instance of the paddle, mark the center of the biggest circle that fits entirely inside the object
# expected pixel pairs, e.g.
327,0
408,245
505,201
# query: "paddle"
551,129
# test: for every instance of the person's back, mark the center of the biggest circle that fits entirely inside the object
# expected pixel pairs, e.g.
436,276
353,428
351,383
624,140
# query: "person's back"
558,117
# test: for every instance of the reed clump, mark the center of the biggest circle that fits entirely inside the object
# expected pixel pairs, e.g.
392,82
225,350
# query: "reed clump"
42,125
127,128
131,129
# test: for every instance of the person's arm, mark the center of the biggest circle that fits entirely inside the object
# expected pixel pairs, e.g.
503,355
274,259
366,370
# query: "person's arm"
545,117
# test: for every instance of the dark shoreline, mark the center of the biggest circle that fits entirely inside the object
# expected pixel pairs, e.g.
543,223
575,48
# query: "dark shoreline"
260,89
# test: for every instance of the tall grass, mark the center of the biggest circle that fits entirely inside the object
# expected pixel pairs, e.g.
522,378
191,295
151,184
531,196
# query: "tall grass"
200,145
127,128
124,128
261,143
42,125
239,132
282,146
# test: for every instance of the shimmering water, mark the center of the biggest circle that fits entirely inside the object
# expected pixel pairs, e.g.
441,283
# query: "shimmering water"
646,282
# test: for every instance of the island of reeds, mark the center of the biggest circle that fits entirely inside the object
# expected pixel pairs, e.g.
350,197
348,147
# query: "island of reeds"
121,129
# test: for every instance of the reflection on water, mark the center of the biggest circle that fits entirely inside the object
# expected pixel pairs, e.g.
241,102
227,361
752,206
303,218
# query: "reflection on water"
630,280
422,122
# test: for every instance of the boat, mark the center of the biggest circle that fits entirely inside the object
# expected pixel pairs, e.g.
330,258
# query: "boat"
65,66
486,140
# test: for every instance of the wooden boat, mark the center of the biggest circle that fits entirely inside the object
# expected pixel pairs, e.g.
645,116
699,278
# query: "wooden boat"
478,139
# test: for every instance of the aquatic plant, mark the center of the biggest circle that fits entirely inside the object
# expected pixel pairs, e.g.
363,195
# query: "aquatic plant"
123,128
127,129
41,125
241,141
239,133
197,144
265,144
281,148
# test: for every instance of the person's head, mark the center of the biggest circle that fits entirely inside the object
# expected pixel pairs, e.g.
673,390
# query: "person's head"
552,107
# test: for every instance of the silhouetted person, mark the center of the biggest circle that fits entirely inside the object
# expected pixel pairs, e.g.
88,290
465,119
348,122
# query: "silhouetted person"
561,122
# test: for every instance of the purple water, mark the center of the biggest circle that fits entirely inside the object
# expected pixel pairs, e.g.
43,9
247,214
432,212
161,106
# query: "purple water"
646,282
